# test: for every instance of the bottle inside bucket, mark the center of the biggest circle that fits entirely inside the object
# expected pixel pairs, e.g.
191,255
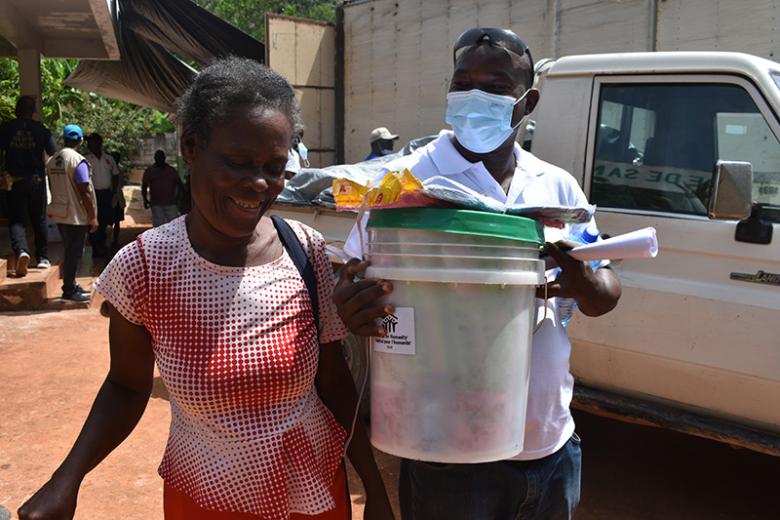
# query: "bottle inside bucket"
449,381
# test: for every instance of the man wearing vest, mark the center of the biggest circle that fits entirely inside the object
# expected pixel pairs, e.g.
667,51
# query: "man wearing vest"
73,207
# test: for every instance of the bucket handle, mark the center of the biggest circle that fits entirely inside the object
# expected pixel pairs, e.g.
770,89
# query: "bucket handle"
544,316
360,229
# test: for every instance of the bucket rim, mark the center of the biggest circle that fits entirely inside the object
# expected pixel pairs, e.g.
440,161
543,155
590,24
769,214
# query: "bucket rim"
460,222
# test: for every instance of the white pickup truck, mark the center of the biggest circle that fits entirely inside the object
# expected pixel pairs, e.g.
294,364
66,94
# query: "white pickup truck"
694,344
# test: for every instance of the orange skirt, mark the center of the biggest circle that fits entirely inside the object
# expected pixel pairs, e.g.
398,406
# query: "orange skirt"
179,506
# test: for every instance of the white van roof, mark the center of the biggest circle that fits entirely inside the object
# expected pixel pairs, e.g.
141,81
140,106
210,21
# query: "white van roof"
764,73
662,62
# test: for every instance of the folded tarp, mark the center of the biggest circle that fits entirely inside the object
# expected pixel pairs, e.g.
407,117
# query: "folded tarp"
188,30
147,75
154,36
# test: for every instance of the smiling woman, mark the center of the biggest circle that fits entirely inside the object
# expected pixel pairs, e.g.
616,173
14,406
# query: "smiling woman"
261,396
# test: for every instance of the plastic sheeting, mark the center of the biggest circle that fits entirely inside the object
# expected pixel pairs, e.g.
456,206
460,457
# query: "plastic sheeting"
188,30
314,186
148,75
151,34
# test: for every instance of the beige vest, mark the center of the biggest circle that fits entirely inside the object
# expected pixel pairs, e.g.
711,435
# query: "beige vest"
66,206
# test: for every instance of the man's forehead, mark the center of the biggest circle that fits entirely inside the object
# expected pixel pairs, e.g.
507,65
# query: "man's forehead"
493,60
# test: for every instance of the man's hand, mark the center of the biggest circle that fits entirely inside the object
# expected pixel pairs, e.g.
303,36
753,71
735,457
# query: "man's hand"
358,302
596,292
56,500
93,225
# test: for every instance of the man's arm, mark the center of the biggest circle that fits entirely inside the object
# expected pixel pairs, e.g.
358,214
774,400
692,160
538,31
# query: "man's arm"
49,145
84,187
115,179
145,188
596,292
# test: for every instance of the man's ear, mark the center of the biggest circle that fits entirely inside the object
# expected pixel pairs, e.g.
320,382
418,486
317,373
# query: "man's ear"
188,143
531,100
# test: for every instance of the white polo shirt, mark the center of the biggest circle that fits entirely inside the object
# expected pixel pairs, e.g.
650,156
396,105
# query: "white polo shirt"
102,170
549,423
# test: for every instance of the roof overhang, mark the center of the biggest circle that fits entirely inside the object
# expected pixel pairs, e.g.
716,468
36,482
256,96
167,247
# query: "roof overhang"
82,29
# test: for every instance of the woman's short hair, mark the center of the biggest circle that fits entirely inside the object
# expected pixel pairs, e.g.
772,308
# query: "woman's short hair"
231,83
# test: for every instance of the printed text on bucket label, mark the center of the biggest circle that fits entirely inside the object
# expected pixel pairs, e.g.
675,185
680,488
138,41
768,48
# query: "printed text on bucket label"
400,333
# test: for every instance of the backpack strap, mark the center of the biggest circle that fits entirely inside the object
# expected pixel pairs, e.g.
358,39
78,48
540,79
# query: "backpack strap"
301,260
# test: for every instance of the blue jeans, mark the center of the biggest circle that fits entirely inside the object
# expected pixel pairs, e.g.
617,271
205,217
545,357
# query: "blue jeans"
543,489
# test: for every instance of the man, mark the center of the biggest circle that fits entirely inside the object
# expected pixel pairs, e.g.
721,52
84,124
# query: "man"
163,181
23,140
490,94
382,142
105,179
73,207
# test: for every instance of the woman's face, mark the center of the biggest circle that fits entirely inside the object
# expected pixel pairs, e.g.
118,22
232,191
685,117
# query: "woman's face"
239,171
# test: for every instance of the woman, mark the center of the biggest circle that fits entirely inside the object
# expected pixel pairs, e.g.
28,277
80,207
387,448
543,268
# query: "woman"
214,299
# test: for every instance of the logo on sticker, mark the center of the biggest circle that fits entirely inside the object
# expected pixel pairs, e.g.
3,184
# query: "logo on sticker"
389,323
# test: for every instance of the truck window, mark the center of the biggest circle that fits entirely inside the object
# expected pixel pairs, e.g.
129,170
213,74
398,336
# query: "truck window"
656,145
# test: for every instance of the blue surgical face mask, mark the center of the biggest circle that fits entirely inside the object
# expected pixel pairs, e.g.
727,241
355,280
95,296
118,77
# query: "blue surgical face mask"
304,153
481,121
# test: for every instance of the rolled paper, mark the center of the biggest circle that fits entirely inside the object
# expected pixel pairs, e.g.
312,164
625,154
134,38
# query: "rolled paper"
641,243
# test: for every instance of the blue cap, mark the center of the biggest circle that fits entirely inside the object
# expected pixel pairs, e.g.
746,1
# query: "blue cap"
72,132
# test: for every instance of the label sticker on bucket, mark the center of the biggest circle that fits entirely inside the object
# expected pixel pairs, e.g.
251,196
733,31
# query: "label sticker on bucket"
400,333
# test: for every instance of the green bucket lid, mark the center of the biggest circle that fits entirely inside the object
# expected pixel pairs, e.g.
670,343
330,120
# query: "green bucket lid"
460,222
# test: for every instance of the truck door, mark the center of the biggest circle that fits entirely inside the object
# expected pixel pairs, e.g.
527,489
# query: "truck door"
304,52
698,325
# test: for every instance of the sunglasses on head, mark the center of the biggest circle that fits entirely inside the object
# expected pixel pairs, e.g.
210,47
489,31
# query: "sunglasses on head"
494,37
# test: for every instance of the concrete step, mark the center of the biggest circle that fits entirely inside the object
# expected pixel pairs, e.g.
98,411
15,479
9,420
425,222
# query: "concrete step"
41,289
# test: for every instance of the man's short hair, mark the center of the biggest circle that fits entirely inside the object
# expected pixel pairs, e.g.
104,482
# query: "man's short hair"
495,37
25,105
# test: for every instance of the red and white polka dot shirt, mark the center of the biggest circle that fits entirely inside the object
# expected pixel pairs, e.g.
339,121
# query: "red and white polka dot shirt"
237,349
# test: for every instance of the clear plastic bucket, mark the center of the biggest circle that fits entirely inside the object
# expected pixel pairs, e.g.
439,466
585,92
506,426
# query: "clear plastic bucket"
450,381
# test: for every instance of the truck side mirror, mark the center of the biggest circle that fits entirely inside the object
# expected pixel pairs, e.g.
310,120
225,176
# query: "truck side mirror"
732,190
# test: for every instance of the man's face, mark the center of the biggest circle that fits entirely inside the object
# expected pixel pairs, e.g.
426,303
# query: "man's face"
95,146
496,71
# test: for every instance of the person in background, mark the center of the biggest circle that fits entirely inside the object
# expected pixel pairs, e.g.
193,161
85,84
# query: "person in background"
298,155
105,178
162,180
491,93
73,207
293,166
382,142
23,141
118,204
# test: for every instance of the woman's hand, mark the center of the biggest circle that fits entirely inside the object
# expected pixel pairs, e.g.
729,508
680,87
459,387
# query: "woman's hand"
56,500
358,302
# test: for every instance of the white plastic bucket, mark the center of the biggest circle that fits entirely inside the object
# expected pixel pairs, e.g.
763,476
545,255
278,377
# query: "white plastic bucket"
450,381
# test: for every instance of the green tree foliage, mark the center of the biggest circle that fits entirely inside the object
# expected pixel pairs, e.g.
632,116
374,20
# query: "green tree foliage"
121,124
249,15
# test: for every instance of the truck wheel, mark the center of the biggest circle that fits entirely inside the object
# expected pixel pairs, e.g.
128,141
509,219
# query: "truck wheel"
356,354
